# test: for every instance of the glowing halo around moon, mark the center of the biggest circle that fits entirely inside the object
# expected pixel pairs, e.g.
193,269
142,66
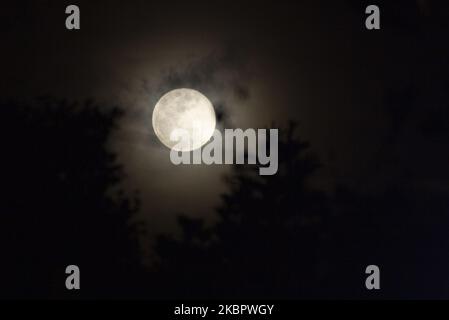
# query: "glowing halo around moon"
187,110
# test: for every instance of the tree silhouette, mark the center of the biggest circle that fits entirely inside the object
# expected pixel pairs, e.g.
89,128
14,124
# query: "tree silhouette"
55,208
279,238
266,243
276,236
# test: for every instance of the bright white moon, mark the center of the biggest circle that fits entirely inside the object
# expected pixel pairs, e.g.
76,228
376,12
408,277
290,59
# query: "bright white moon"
187,110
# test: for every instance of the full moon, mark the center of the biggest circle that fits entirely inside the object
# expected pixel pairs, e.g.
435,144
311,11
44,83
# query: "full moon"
187,111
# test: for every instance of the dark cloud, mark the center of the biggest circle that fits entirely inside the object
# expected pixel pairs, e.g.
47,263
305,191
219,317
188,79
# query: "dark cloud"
222,75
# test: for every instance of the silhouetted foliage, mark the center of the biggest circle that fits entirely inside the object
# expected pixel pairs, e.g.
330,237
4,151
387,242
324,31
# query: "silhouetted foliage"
277,237
267,241
55,208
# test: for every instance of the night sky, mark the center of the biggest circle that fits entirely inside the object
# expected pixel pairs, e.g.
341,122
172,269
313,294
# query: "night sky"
373,105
